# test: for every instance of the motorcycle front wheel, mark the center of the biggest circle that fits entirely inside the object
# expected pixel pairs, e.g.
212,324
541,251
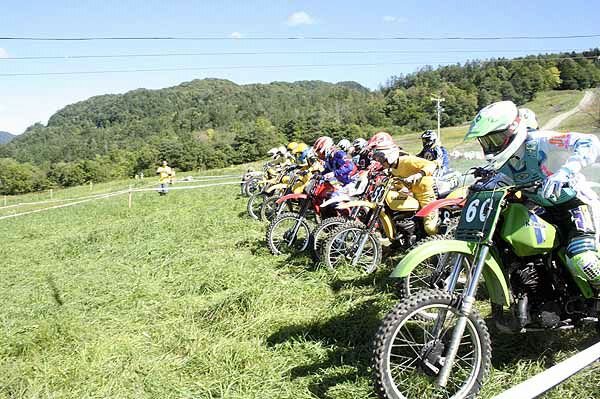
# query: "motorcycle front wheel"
352,243
410,351
288,233
254,204
321,233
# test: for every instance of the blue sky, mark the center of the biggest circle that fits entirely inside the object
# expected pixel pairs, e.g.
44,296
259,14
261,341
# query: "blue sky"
25,100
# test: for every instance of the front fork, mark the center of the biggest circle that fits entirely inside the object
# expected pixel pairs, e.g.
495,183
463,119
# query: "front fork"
365,236
299,221
466,307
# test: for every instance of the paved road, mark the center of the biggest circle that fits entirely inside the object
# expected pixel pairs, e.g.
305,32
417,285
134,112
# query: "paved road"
557,120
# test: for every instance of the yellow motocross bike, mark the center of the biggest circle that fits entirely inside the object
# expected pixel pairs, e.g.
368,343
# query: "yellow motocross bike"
392,213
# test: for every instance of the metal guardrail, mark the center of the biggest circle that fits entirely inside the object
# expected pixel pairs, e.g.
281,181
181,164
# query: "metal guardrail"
552,377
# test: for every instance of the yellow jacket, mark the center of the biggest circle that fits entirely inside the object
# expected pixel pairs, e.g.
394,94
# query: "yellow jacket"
164,174
408,165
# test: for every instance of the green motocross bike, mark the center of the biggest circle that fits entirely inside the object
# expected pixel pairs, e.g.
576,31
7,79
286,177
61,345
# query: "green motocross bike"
434,343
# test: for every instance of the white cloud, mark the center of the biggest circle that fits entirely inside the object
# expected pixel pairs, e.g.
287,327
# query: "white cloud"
236,35
3,53
392,18
300,18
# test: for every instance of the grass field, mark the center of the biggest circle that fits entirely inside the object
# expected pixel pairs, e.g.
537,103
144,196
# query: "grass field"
179,298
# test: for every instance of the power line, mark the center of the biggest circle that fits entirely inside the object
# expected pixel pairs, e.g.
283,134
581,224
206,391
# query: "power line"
100,72
227,53
367,38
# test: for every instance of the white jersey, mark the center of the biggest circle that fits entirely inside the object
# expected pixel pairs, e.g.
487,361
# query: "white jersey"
572,152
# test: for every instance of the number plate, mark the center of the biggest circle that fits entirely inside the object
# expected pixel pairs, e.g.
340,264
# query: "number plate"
479,216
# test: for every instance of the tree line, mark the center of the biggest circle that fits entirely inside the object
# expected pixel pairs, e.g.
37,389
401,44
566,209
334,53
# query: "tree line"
213,123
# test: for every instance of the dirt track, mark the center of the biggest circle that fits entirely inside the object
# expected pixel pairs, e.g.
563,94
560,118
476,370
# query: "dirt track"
557,120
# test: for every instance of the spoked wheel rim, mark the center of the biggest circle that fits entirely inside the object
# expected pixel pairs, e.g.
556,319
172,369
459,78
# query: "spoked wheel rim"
416,355
284,239
343,247
322,232
256,202
269,208
253,186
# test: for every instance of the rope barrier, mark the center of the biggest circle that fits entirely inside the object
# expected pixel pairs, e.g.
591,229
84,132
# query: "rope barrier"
186,187
82,200
63,205
552,377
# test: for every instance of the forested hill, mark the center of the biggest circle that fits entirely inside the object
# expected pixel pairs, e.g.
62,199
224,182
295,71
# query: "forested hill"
207,114
214,123
5,137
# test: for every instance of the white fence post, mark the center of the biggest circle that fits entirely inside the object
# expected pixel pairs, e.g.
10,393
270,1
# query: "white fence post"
130,197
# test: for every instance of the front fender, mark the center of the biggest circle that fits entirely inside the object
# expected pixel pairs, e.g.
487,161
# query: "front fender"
492,273
438,204
388,225
291,197
274,187
361,203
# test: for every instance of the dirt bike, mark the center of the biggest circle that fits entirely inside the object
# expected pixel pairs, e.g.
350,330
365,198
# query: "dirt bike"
251,181
363,189
270,208
279,181
435,343
291,231
393,214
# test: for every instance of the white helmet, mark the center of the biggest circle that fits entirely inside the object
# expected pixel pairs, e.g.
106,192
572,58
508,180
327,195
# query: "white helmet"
344,145
529,118
359,144
389,155
500,132
272,152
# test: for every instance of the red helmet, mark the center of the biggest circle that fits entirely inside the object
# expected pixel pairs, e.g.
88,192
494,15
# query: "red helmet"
322,145
381,141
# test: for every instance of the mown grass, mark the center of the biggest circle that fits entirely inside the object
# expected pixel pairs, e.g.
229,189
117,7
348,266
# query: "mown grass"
179,298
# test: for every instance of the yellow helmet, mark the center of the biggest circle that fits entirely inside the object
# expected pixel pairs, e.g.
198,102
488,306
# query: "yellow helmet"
292,146
300,148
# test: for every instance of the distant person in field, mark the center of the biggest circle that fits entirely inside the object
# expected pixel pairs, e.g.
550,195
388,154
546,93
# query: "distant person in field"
433,151
165,174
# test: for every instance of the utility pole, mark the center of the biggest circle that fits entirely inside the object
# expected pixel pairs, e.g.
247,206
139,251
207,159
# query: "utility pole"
439,109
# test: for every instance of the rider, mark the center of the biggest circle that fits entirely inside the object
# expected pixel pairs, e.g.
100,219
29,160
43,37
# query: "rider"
523,155
297,152
416,172
359,157
344,145
335,161
432,151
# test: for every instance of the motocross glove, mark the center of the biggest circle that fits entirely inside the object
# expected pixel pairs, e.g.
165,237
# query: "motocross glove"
554,183
412,179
